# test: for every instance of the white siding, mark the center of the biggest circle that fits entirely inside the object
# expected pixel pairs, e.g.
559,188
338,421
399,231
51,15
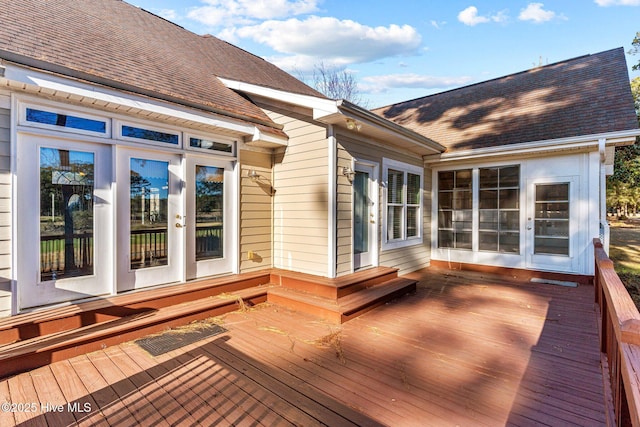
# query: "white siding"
5,205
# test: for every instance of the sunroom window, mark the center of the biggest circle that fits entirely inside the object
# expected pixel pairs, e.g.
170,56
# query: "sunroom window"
403,211
455,214
499,202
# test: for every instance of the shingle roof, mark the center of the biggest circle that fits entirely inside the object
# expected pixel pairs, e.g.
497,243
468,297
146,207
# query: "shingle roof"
114,43
581,96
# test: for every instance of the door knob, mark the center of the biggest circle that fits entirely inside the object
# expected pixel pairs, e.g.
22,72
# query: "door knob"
178,225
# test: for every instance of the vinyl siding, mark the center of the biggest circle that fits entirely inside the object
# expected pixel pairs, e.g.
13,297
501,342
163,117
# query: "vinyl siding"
407,259
301,198
255,212
5,204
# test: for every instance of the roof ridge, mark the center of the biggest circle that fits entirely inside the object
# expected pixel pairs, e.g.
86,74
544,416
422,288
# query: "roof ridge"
553,64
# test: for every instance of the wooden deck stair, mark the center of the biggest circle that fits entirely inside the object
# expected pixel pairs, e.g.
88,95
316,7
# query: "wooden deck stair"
39,338
342,299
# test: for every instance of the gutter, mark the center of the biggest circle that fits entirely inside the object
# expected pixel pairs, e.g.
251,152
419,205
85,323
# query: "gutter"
612,138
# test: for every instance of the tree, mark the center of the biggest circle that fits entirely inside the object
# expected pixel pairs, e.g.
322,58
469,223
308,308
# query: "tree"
635,49
336,83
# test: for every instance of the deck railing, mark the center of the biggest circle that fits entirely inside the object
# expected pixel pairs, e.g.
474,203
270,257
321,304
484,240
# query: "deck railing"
619,339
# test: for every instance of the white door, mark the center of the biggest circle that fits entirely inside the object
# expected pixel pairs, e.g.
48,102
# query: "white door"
552,224
150,220
64,221
210,218
365,211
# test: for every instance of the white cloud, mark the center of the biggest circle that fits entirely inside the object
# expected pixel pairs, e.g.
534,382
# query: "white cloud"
470,17
618,2
378,84
232,12
337,42
535,12
438,25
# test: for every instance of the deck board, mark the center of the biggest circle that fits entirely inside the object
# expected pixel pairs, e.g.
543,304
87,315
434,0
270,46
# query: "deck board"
465,349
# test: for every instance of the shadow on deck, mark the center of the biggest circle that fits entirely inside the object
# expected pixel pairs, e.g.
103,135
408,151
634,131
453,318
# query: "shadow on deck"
465,349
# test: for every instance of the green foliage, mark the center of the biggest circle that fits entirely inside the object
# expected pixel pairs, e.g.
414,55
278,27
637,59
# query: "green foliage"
635,48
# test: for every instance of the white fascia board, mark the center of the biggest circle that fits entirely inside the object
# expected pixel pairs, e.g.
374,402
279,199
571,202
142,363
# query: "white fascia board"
321,107
51,82
561,144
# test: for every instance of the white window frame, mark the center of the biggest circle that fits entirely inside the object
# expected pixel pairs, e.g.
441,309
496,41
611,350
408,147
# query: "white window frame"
221,140
404,240
118,124
56,109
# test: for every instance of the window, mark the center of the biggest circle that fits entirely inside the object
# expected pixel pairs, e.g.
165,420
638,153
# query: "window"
455,214
403,210
150,135
552,219
69,122
211,145
499,206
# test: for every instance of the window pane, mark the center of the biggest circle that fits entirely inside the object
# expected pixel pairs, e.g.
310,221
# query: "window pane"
463,179
488,199
151,135
489,220
445,239
462,199
361,212
209,212
208,144
412,221
552,210
463,240
66,213
445,180
509,220
489,178
552,192
55,119
510,176
488,241
551,246
394,222
395,186
510,242
558,228
413,189
509,199
445,219
149,195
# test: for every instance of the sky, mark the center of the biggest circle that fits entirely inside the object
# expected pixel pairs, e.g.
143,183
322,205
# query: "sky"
399,50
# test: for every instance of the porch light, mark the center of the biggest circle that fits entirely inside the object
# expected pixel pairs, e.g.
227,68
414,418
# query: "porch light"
253,174
353,125
348,172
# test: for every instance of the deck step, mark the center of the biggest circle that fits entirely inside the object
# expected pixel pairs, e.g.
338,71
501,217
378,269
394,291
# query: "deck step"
42,350
55,320
333,288
342,309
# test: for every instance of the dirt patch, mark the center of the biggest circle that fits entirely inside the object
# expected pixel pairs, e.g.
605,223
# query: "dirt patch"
624,251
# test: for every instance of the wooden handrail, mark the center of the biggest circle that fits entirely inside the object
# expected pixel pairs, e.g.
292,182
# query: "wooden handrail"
619,338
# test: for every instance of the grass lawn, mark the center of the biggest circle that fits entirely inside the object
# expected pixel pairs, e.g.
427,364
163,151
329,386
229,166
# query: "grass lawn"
625,253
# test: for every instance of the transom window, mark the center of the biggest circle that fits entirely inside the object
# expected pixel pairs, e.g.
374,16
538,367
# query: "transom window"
403,211
150,134
70,122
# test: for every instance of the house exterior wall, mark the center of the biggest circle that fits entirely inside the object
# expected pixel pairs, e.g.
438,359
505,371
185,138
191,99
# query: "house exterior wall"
406,259
301,200
581,170
5,204
256,211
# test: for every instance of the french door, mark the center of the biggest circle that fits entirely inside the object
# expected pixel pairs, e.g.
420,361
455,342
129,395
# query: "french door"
210,246
64,220
150,219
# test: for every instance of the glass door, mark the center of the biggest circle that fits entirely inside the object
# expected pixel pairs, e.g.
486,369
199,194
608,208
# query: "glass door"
210,217
364,216
552,224
150,219
64,221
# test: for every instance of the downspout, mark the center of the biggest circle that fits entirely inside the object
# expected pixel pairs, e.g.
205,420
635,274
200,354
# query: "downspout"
332,249
604,226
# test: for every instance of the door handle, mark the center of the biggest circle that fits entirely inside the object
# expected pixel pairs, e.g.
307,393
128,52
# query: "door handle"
178,225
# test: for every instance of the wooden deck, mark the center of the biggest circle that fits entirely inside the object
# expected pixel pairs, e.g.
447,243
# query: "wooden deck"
466,349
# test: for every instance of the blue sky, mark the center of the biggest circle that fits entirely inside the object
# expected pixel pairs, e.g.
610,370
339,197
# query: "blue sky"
404,49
